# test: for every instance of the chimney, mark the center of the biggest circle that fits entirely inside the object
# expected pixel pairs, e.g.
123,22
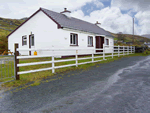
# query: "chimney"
66,12
65,9
98,24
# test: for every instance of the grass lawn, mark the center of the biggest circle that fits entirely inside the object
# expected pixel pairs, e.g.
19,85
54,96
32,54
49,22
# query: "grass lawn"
35,78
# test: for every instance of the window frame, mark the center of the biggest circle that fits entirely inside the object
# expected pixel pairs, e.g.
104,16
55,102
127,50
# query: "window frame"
107,41
73,42
32,41
24,39
90,42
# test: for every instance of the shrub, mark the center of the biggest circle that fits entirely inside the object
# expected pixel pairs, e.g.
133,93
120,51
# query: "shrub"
146,52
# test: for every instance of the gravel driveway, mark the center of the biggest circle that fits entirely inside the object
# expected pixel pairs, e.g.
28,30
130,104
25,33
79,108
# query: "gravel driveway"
117,87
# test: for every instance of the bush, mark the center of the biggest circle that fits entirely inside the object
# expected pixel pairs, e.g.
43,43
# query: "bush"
146,52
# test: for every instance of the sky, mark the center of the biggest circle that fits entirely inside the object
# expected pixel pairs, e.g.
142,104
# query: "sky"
114,15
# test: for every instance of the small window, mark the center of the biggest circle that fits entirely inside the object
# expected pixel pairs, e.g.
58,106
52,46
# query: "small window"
24,40
32,40
107,41
90,41
73,39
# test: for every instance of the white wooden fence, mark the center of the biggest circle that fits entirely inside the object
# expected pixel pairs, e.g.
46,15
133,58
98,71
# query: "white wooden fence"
120,50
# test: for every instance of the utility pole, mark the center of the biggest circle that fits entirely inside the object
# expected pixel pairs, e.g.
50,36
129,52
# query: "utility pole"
133,30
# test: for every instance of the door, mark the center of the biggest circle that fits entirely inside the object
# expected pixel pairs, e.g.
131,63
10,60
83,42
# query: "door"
99,43
31,42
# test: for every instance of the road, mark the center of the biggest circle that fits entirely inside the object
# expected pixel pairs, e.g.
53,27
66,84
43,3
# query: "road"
122,86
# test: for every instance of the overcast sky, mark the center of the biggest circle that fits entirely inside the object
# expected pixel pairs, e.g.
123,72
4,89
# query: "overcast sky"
114,15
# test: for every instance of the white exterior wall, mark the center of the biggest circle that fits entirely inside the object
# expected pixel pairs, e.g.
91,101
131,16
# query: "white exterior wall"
47,35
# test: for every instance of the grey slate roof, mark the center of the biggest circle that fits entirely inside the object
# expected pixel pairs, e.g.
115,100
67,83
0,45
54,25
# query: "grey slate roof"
76,24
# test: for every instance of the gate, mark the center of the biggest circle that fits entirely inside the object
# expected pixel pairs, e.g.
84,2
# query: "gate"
7,67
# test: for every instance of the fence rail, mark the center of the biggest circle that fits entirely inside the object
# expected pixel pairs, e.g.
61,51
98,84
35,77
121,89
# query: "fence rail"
120,50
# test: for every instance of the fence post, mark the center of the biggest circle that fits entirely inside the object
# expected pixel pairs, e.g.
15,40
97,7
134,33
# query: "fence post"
128,50
131,49
76,58
93,56
118,51
134,49
53,65
123,50
103,52
112,51
16,62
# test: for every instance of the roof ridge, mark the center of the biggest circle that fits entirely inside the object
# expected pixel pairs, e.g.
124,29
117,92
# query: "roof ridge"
51,10
83,21
71,17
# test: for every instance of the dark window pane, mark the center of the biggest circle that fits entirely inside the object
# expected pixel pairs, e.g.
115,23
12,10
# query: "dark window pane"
107,42
90,40
74,38
24,40
32,38
71,38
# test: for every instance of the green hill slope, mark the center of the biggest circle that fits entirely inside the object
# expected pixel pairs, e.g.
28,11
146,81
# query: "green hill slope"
137,40
6,27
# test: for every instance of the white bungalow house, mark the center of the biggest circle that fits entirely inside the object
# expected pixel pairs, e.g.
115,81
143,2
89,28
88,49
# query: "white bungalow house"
49,29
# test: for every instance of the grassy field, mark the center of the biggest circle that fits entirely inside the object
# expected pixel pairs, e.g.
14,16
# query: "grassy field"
36,77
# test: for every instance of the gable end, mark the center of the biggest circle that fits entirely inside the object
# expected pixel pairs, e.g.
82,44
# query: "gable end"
59,26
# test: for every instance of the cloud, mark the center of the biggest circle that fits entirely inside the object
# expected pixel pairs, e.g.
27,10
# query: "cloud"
138,9
24,8
136,5
111,19
98,4
144,21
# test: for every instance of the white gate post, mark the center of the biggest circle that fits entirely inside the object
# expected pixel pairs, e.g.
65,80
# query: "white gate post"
123,50
76,58
128,50
103,52
131,49
53,65
93,56
112,51
118,51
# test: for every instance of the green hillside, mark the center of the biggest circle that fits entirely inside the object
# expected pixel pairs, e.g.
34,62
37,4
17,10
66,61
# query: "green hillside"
137,40
8,25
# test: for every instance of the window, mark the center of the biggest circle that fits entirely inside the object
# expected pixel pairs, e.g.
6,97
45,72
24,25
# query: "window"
73,39
90,41
32,40
107,41
24,40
